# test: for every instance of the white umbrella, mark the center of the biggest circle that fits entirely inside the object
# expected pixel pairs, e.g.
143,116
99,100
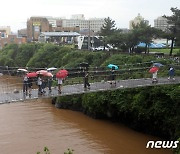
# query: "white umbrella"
21,70
52,69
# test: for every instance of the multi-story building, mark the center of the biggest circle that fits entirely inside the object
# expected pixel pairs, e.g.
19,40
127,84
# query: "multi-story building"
136,21
22,33
161,23
5,31
94,24
36,25
11,39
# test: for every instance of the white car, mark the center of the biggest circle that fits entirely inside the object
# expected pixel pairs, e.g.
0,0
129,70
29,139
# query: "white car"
101,48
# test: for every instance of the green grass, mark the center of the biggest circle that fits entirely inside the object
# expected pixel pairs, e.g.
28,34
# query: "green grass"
166,51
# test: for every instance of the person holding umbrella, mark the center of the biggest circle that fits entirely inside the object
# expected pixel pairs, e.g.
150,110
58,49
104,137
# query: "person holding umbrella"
113,76
154,71
39,83
25,84
59,84
86,82
30,83
171,73
60,75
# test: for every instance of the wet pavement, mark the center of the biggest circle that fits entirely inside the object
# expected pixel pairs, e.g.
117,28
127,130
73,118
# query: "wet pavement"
18,95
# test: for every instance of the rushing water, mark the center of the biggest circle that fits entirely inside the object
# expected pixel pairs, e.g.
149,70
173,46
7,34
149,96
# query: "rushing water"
27,127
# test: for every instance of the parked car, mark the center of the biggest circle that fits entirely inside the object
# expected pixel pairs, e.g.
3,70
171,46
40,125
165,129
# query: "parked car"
100,48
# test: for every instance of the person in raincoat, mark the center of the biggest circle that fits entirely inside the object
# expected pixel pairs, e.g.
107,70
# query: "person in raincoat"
171,73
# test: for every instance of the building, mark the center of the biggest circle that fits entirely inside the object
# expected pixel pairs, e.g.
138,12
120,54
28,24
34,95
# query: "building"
78,17
22,33
11,39
94,24
161,23
137,20
66,29
5,30
59,37
36,25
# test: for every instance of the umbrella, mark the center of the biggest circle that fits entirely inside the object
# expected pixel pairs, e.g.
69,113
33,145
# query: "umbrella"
157,64
42,72
153,69
31,74
51,69
48,74
22,70
84,64
112,66
62,74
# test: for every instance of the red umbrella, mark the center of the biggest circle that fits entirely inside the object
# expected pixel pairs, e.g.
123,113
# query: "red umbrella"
153,69
42,72
62,74
31,74
48,74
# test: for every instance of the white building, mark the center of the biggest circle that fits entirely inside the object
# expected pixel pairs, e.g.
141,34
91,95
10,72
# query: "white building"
161,23
137,20
78,17
94,24
5,31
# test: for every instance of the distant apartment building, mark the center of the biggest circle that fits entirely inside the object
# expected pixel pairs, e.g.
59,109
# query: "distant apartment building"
11,39
161,23
36,25
5,31
22,33
94,24
136,21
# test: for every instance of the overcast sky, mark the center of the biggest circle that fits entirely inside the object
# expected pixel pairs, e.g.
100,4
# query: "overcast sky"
15,13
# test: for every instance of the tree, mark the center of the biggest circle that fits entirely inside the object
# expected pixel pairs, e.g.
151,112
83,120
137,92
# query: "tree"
107,29
145,33
174,27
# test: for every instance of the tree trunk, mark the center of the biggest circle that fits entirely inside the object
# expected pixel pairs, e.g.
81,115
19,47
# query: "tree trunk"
146,48
172,44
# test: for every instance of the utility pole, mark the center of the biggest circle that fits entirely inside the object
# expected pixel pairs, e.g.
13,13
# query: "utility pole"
89,45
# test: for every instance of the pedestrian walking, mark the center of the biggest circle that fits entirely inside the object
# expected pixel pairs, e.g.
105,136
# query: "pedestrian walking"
39,83
154,77
44,84
50,79
171,73
113,76
25,84
86,80
30,83
60,81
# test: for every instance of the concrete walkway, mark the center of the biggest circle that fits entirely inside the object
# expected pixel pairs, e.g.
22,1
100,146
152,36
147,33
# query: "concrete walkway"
8,97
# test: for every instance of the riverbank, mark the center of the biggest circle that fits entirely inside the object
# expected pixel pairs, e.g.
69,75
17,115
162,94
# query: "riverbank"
152,110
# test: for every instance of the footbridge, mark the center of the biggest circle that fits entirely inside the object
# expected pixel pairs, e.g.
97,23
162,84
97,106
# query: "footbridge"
13,93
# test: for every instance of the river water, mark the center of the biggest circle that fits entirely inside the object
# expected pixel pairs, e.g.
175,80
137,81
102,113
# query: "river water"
27,127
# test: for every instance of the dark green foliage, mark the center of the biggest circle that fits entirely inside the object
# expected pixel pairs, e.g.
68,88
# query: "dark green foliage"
173,31
154,110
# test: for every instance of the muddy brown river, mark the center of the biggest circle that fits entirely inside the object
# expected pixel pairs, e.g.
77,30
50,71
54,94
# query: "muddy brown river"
27,127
